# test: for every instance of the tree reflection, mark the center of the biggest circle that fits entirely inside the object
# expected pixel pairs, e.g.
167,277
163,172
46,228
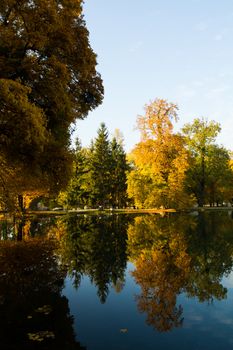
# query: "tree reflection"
179,254
161,270
172,255
25,228
95,246
34,314
211,248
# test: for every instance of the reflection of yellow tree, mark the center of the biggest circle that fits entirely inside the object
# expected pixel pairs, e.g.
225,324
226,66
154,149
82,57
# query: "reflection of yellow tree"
58,230
162,273
178,254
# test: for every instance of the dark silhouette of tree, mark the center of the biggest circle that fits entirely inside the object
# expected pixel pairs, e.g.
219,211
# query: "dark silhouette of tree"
34,314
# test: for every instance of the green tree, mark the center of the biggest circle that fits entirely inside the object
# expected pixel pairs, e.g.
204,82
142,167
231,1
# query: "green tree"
47,80
79,190
99,174
101,163
209,174
220,176
118,177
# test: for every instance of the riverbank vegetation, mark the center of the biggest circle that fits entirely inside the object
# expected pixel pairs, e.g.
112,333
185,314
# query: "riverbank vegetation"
48,80
166,169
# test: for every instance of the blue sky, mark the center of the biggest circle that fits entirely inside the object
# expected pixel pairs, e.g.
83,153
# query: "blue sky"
179,50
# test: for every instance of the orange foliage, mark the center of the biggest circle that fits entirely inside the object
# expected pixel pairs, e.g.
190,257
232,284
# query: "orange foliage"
162,274
160,159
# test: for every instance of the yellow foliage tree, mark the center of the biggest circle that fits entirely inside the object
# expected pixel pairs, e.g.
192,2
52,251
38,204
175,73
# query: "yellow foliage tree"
160,159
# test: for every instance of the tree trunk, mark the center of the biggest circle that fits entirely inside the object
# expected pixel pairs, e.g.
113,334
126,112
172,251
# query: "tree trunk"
21,204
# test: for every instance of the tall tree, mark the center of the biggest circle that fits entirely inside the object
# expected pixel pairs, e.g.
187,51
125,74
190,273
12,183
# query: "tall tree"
79,190
101,167
209,170
99,174
160,159
118,177
47,80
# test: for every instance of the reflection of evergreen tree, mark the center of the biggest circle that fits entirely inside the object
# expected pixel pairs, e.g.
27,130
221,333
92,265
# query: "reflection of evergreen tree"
34,315
96,246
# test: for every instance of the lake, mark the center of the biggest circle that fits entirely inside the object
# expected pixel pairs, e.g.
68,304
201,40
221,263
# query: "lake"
117,282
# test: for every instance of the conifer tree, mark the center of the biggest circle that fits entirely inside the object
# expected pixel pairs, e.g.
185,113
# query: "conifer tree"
79,190
101,165
119,175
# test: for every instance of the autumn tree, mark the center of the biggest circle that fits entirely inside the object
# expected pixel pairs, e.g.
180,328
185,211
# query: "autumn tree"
160,159
209,176
47,80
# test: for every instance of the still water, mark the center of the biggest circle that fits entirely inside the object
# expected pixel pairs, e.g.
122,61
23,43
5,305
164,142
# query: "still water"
117,282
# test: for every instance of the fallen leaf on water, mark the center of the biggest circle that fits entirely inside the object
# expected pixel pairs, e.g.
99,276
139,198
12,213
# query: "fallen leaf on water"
40,336
46,309
123,330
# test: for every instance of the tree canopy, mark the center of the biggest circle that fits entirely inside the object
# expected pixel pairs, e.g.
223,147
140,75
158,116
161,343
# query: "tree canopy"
178,169
48,79
209,177
160,159
99,176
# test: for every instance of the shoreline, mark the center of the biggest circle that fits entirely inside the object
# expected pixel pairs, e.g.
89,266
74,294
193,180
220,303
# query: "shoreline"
113,211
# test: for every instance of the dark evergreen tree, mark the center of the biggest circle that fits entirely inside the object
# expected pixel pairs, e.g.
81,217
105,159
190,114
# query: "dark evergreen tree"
79,191
101,166
99,174
118,175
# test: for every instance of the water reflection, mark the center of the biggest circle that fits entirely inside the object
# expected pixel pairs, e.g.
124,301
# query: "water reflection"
95,246
34,314
179,254
175,254
18,229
